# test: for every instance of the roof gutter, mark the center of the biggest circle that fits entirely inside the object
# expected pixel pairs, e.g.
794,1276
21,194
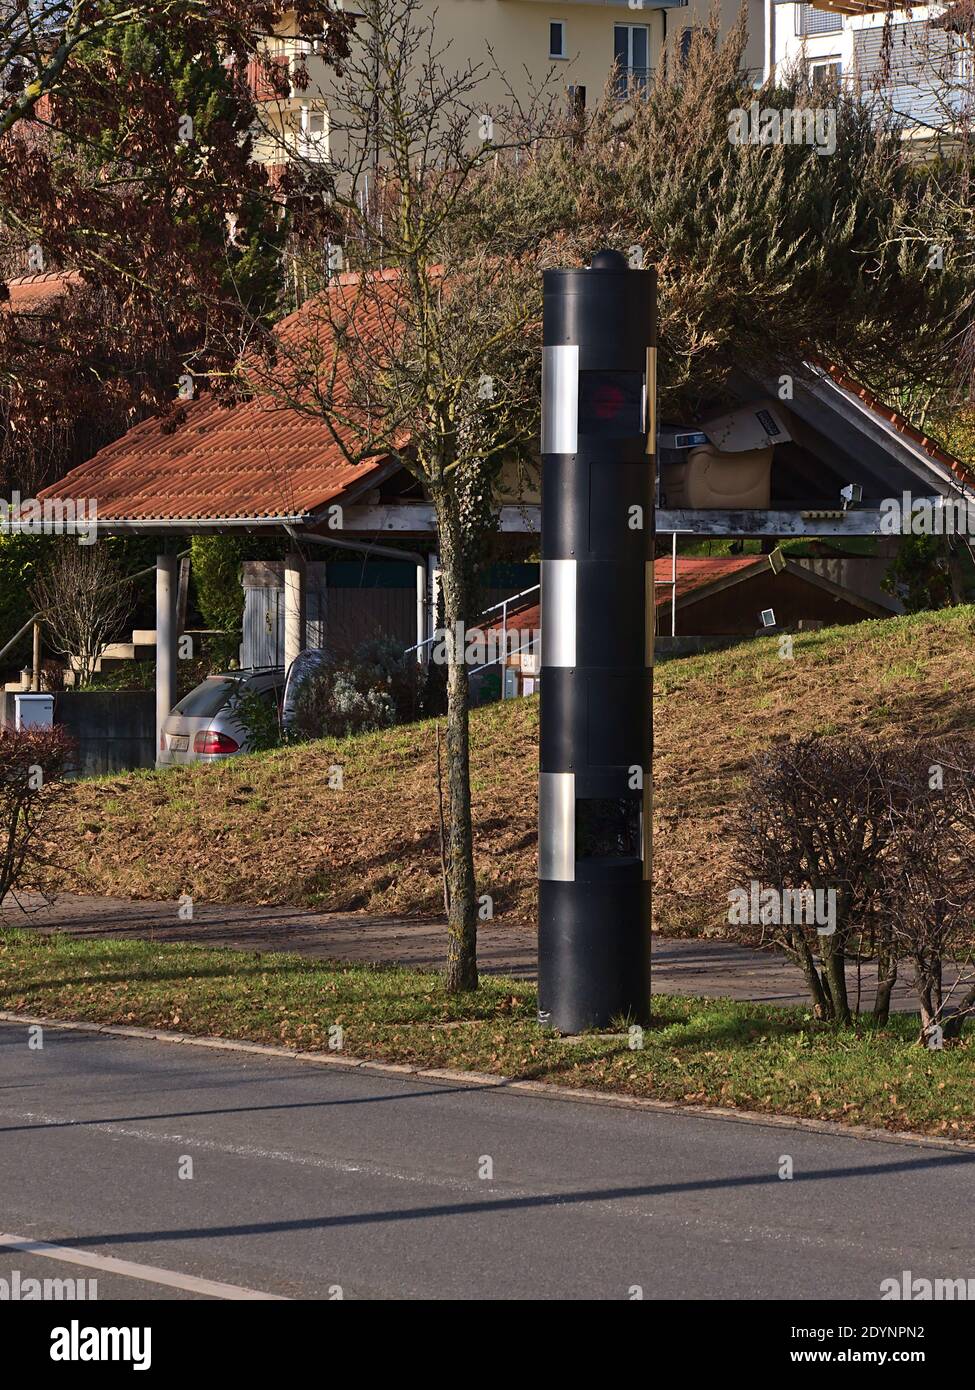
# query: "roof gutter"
193,523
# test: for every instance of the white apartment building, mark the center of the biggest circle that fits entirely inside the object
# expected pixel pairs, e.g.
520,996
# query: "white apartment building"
920,71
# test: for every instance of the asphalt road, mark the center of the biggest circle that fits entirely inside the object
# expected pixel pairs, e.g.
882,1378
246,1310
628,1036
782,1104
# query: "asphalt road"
312,1181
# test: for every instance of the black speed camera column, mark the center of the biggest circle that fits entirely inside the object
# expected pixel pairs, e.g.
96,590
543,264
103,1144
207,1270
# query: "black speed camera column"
598,480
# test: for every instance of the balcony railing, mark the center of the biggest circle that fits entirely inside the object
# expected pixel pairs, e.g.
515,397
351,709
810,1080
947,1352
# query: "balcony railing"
268,78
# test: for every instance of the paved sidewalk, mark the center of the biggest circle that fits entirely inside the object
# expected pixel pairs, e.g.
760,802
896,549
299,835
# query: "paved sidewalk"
699,966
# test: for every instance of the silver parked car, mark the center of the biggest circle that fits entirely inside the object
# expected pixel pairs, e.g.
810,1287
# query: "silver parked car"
203,727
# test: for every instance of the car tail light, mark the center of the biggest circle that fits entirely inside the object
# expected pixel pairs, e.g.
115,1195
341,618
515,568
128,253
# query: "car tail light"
211,742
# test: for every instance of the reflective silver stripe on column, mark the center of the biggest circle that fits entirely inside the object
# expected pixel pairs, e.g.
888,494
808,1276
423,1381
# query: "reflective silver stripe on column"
557,826
560,399
558,613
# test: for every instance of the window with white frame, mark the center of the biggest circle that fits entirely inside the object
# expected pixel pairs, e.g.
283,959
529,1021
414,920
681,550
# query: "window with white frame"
556,39
631,51
825,71
314,133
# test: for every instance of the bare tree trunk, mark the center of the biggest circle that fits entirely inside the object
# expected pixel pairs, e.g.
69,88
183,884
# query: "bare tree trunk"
461,971
956,1021
886,977
822,1006
834,968
926,990
443,829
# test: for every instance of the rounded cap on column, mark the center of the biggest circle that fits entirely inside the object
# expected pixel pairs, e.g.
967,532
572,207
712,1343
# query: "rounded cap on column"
608,260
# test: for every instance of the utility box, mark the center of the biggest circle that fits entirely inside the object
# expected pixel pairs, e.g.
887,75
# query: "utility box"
33,711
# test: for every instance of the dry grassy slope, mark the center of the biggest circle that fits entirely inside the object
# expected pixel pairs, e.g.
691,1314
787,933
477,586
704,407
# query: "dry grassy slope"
268,829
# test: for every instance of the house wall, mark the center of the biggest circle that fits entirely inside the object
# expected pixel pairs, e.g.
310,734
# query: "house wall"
907,57
262,641
513,36
863,575
349,602
737,608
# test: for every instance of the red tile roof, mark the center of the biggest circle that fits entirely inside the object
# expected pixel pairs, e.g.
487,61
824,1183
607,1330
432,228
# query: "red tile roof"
256,460
697,571
263,460
29,293
259,459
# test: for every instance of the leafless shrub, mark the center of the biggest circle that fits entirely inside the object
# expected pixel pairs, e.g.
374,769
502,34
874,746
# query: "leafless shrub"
928,871
890,828
33,763
84,600
815,816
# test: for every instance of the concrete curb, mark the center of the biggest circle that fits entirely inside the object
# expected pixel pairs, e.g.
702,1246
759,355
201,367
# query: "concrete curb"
545,1090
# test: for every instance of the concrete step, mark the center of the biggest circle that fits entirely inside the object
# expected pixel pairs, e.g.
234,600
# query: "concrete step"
119,654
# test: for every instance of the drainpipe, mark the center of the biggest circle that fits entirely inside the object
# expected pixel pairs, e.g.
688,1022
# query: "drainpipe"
372,548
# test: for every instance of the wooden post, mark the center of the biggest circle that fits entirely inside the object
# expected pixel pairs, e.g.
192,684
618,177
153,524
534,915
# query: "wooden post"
182,595
165,643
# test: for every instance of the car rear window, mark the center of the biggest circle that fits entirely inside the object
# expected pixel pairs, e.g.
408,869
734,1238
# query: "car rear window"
207,699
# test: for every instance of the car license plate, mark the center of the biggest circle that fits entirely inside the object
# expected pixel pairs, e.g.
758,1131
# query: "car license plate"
179,743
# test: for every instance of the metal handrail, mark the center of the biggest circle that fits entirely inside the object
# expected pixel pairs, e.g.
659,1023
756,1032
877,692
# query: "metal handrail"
512,598
503,657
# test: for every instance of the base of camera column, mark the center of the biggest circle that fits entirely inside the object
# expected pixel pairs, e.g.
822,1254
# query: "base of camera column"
593,954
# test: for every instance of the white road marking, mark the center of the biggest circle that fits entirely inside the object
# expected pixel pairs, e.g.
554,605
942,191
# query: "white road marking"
248,1151
108,1264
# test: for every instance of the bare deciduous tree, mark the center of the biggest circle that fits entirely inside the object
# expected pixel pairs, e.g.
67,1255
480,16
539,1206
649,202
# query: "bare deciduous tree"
84,600
429,356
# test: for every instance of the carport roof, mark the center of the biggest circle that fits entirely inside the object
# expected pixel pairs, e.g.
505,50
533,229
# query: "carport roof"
257,461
